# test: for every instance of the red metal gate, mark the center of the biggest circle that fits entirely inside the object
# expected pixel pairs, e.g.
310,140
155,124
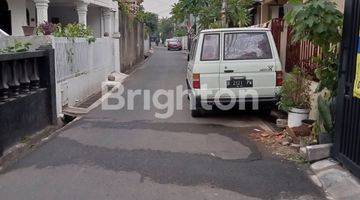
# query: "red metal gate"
277,26
292,52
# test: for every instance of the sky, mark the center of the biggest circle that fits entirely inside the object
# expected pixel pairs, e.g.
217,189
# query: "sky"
160,7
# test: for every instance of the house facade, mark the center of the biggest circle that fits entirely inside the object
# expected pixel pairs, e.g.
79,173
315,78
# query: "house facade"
80,67
100,15
264,11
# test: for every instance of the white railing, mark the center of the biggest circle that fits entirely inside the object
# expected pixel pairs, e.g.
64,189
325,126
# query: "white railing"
76,57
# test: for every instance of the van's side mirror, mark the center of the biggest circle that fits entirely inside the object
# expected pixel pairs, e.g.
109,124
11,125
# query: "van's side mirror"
188,57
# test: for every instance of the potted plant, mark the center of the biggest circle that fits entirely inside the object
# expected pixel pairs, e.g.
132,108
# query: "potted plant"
295,97
320,22
46,28
324,125
28,30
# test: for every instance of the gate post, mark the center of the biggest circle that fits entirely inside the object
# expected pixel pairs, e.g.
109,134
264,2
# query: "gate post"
348,46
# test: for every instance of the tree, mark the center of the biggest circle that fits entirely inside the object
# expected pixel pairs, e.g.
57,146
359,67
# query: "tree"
209,12
149,19
184,8
166,28
180,31
238,14
320,22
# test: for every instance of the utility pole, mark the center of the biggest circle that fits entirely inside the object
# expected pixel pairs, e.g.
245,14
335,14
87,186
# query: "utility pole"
189,32
223,13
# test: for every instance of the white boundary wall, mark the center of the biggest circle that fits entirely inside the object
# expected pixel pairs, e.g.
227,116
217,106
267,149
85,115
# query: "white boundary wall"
81,68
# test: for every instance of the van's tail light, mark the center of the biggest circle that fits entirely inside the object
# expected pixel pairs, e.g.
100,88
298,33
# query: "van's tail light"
279,78
196,81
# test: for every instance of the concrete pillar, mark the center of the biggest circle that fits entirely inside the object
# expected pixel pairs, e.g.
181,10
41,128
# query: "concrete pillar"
82,8
264,13
283,46
41,10
107,13
116,21
18,16
117,41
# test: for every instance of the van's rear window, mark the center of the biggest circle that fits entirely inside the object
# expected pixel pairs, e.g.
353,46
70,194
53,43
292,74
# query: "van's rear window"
211,47
246,46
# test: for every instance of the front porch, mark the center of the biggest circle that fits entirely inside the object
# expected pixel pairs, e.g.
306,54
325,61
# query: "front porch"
100,15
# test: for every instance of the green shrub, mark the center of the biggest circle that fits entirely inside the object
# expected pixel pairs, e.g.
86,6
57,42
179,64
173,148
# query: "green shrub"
295,92
18,46
72,31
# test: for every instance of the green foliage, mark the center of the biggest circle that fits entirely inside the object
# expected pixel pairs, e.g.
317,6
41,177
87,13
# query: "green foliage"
72,31
327,73
184,8
150,20
325,122
166,28
17,47
123,6
295,92
238,12
209,12
180,31
46,28
318,21
210,15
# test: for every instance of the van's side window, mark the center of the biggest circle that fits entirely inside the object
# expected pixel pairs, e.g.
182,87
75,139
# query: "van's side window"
247,46
193,49
210,47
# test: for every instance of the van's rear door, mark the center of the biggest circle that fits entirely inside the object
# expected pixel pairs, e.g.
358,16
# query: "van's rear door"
248,63
208,64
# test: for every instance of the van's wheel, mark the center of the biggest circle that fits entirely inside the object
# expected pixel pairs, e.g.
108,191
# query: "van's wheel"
266,111
196,109
196,113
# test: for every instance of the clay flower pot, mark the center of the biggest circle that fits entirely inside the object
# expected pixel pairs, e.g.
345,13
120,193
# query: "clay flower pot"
28,30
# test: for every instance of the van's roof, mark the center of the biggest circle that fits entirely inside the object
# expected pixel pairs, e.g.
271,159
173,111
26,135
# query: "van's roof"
235,29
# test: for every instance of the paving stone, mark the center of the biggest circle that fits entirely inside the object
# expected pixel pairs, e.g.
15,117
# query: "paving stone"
339,184
323,164
318,152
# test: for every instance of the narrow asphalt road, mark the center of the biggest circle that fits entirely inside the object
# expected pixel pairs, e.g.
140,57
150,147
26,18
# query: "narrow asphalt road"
133,155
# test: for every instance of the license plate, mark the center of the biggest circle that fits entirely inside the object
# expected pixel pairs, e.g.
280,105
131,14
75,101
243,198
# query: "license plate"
239,82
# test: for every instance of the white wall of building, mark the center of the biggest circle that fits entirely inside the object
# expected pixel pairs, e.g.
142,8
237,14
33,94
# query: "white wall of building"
94,20
18,16
30,6
66,14
81,68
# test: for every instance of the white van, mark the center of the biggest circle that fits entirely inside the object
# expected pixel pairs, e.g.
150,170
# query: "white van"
233,65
